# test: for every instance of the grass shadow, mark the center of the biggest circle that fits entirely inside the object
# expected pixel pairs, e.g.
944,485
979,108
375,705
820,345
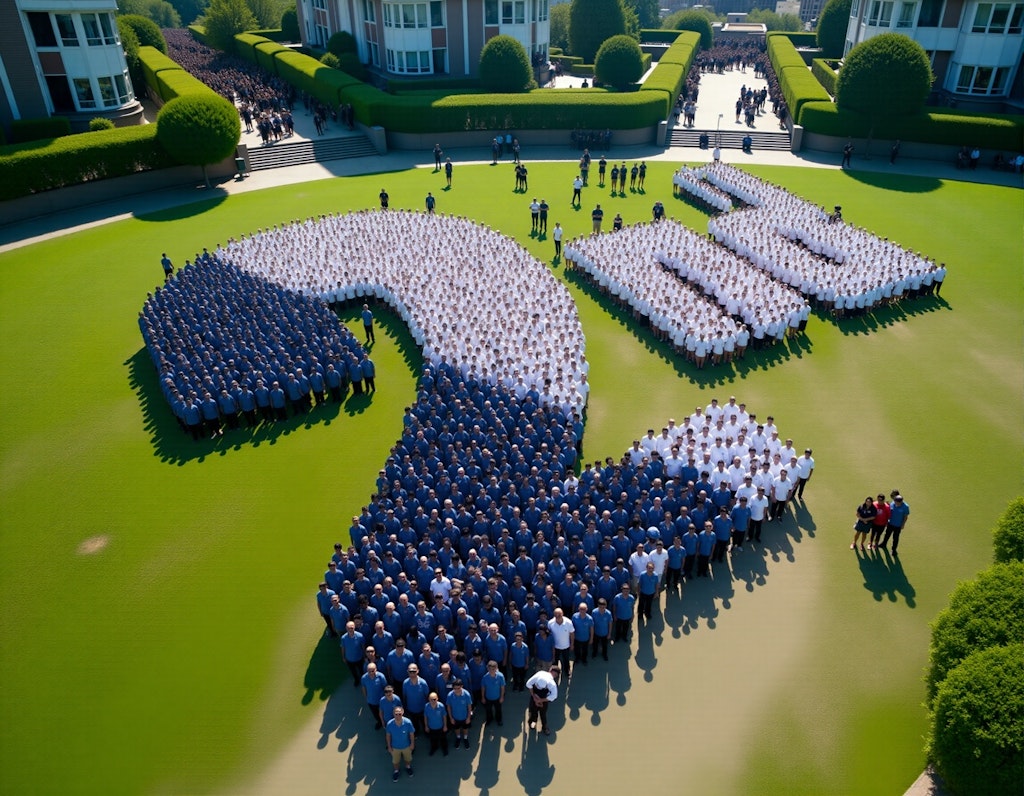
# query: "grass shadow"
886,316
216,197
885,577
901,183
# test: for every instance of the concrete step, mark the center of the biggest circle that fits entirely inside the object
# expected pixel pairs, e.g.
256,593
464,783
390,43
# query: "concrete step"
296,153
730,139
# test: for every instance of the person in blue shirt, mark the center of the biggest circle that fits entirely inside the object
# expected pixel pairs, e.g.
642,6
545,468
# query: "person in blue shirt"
414,695
519,659
374,683
387,705
899,513
674,565
492,692
367,317
740,517
460,712
705,546
602,628
649,584
622,608
435,717
400,736
339,615
324,599
396,665
369,371
353,648
477,669
722,525
583,633
543,644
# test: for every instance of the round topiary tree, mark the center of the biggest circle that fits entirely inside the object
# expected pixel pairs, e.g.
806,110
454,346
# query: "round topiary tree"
985,612
1008,535
146,30
350,64
591,22
342,42
290,25
504,67
691,20
977,738
619,61
832,24
198,129
887,75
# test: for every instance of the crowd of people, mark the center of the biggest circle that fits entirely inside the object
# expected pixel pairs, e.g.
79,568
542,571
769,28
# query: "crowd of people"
231,348
591,139
475,302
483,558
843,268
691,182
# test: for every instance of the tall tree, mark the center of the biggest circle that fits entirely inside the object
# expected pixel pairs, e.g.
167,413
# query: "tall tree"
559,22
646,12
832,25
224,19
590,23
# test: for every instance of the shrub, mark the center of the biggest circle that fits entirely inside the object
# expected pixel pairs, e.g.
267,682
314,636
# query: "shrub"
826,75
330,59
799,87
199,34
977,740
159,11
266,12
99,123
504,66
885,76
130,45
74,159
697,21
832,25
782,53
199,130
559,27
146,30
619,61
350,64
342,42
399,85
986,612
166,78
225,19
290,25
1008,535
267,52
307,74
670,73
39,129
590,23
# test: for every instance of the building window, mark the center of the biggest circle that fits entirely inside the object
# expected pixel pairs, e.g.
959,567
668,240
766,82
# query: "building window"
881,14
60,93
490,12
83,90
436,14
110,34
412,15
93,37
370,12
42,29
513,12
931,13
66,27
412,62
906,18
374,53
855,8
1015,18
984,80
440,57
540,10
123,84
993,18
107,95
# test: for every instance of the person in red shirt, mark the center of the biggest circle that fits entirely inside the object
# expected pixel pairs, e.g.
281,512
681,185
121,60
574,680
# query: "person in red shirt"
881,520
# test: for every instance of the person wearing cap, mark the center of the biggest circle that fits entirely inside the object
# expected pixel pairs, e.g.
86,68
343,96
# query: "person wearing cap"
804,470
899,513
400,737
460,712
543,644
543,688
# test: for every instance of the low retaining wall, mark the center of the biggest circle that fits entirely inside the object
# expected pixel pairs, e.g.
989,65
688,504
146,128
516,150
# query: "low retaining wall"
527,138
880,147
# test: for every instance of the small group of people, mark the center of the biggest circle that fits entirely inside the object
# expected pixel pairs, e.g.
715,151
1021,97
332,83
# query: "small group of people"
878,521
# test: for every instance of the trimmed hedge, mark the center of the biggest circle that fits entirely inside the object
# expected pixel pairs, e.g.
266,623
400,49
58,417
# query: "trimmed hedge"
797,38
669,75
952,128
308,74
782,53
397,86
245,46
199,34
274,34
25,130
266,52
167,78
74,159
826,75
659,36
799,87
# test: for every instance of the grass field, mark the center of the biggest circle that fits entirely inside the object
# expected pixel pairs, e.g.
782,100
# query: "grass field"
176,652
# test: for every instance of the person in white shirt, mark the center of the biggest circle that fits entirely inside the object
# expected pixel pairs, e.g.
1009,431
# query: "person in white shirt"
543,688
638,565
758,506
563,633
659,557
804,470
782,489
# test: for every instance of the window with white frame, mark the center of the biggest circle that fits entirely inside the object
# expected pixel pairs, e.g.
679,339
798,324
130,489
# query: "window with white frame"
906,17
66,28
490,12
109,28
513,12
370,12
855,8
983,80
411,62
540,10
881,14
91,24
108,96
83,91
411,15
374,53
998,18
1015,19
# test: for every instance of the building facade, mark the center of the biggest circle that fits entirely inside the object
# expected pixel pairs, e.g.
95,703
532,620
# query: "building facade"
975,47
436,37
63,58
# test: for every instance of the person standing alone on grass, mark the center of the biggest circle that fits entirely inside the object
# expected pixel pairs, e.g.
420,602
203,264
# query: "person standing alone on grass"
430,202
448,167
534,215
437,157
556,235
577,188
167,265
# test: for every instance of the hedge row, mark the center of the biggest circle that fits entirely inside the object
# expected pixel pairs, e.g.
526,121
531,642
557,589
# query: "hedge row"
199,34
798,39
658,36
274,34
23,130
782,53
669,75
952,128
74,159
799,87
826,75
398,85
166,77
308,74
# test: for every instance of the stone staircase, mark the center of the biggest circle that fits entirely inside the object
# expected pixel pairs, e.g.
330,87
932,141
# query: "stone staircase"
297,153
730,139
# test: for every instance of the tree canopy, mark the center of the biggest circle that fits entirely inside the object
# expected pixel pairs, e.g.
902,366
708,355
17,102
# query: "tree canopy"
619,61
559,27
290,24
1008,535
885,76
342,42
146,31
773,21
977,741
225,19
266,12
832,25
198,129
691,20
163,14
590,23
646,12
504,66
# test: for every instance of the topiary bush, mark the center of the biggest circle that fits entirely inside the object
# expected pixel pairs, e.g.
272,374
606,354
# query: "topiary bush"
1008,535
696,21
619,61
985,612
199,129
977,741
342,42
99,123
832,25
885,77
826,75
146,30
504,66
330,59
290,25
591,22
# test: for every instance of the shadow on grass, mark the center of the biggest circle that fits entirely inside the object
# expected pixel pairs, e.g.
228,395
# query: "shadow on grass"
883,317
902,183
213,199
710,375
885,577
325,672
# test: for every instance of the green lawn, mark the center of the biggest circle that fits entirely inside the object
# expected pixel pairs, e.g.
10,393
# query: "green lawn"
182,656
